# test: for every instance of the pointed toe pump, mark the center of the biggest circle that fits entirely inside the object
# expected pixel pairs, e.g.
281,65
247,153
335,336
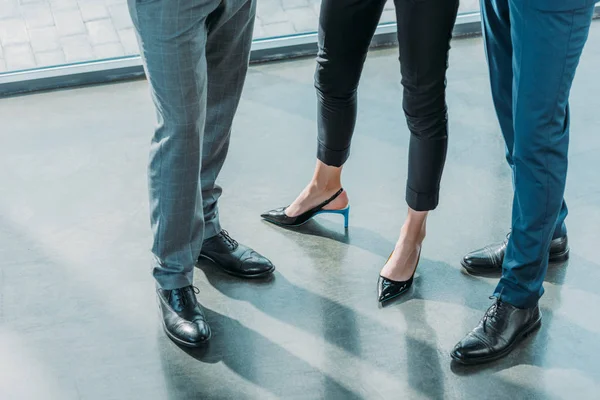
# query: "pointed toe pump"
388,289
279,217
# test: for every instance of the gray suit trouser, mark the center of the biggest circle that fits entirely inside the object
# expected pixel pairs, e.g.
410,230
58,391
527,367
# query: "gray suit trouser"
196,57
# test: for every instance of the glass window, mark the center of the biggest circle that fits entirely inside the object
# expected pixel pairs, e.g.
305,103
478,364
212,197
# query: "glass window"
41,33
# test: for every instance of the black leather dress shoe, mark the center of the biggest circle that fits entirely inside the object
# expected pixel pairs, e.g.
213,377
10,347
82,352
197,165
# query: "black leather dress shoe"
488,260
498,332
235,258
183,319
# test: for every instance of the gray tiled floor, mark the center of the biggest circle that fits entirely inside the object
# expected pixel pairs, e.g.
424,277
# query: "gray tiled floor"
78,318
38,33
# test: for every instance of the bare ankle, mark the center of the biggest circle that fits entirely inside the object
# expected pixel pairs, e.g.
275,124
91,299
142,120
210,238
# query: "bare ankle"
326,177
323,186
413,232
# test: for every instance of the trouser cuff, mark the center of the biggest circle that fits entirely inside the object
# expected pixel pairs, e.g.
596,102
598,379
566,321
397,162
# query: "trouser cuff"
421,201
511,293
169,281
333,158
212,227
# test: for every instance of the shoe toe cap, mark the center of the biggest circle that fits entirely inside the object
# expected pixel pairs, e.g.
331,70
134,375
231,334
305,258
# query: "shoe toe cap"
472,259
275,213
469,348
194,332
255,263
266,214
203,331
384,289
387,289
456,353
480,262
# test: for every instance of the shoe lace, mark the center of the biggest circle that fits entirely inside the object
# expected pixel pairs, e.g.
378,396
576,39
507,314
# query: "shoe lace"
493,311
231,242
178,294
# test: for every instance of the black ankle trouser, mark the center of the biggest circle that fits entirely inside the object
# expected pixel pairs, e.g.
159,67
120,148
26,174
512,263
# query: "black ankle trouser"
424,33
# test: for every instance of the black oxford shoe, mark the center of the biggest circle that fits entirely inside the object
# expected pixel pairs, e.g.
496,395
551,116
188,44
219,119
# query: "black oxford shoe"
489,259
235,258
498,332
183,318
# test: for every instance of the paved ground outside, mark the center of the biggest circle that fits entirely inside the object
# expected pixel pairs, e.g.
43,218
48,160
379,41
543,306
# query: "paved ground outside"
38,33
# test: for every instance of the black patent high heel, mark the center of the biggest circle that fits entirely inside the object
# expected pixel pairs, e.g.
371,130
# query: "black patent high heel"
388,289
279,217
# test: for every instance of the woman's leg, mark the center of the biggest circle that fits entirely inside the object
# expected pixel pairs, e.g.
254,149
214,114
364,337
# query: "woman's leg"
345,32
424,33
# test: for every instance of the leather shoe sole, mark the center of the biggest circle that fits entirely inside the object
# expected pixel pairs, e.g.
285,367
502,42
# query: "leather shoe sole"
528,330
258,275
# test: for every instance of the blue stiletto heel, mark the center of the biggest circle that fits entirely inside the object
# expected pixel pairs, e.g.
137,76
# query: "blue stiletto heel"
346,215
344,211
